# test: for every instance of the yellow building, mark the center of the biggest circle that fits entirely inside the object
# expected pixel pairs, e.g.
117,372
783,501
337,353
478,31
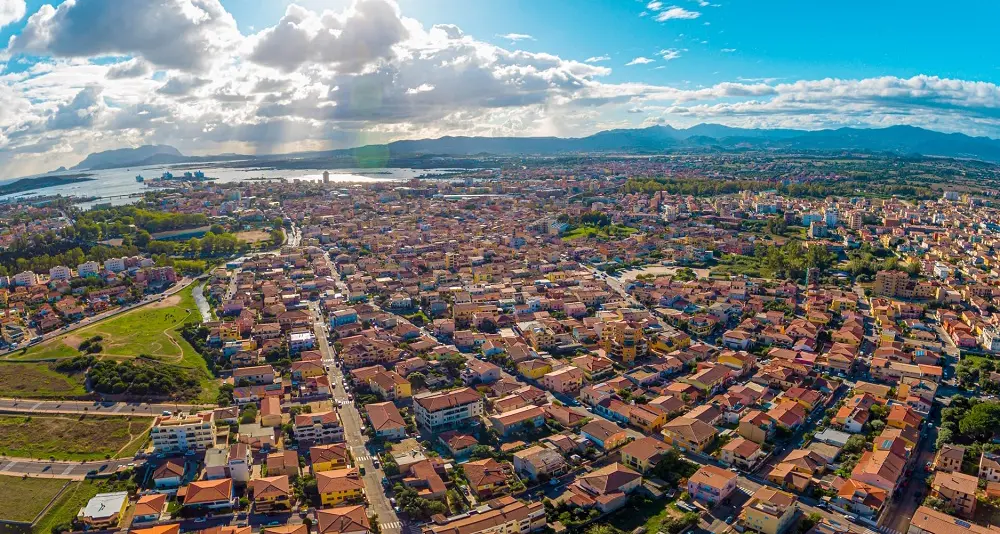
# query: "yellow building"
271,494
329,457
341,485
623,341
769,511
534,368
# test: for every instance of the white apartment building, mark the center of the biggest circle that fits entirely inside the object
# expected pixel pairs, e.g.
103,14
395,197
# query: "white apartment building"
317,428
60,272
90,268
26,278
446,409
180,433
115,265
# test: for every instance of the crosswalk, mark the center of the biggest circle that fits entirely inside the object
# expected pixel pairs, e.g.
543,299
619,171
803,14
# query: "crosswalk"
391,525
363,458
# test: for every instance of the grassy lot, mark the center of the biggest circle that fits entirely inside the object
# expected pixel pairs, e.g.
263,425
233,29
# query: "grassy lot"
655,515
68,505
21,499
38,380
72,438
587,230
153,330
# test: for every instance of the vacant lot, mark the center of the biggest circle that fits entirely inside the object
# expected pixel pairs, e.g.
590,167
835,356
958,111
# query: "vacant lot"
71,438
22,499
38,380
68,504
253,236
152,330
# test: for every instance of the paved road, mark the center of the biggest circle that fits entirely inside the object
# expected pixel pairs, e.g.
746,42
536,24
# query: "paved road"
64,470
354,436
91,407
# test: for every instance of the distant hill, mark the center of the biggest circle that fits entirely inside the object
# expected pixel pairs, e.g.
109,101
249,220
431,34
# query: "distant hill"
130,157
902,140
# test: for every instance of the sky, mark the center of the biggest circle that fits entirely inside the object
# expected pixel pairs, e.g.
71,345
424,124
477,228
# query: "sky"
269,76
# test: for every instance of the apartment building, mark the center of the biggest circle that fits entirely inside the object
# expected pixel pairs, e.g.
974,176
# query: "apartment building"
179,433
505,515
445,409
769,511
320,427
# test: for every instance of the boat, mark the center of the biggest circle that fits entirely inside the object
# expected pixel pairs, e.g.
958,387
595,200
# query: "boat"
139,178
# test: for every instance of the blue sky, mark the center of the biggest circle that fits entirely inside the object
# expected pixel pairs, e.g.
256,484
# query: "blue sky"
772,39
267,75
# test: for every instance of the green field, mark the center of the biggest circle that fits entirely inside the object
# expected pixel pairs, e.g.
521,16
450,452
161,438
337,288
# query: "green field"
21,499
65,508
38,380
606,232
71,437
153,330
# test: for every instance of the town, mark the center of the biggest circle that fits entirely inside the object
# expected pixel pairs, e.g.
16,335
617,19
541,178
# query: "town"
602,346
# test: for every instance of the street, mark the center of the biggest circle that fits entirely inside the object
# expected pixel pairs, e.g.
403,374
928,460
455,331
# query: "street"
65,470
354,435
92,407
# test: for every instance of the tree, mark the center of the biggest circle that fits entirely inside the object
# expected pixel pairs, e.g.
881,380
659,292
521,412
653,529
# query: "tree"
417,379
981,422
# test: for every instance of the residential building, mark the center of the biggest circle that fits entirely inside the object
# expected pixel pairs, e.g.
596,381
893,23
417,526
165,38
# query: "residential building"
183,432
343,520
320,427
386,420
339,486
271,494
711,484
505,515
688,434
957,490
769,511
104,510
447,409
210,495
538,461
329,457
644,453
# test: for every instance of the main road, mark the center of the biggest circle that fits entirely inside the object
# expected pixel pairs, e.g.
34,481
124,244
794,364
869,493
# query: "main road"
353,433
32,406
64,470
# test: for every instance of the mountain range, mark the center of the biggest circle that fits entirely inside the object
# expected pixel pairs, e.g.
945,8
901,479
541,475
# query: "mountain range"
902,140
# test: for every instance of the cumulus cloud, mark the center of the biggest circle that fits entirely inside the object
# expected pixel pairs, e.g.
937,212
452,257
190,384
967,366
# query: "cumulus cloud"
80,112
367,74
181,34
675,12
11,11
133,68
351,39
639,61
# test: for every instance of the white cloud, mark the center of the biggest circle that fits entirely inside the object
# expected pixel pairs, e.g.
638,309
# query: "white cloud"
423,88
133,68
669,53
11,11
727,50
639,61
363,33
183,34
515,37
655,5
406,81
675,12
